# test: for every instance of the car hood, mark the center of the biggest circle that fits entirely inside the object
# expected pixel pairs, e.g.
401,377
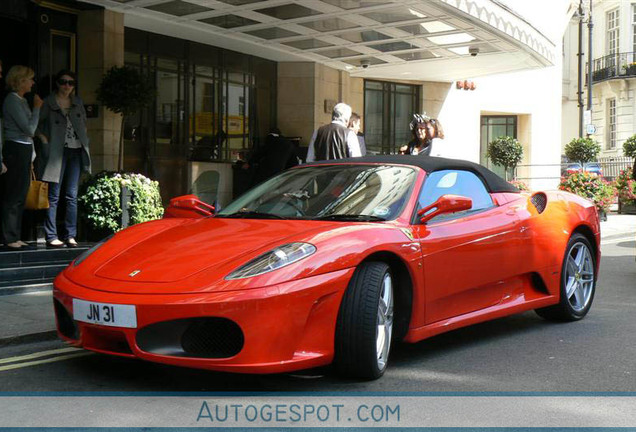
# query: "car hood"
179,252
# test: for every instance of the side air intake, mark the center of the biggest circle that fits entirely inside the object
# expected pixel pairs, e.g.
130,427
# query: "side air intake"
539,200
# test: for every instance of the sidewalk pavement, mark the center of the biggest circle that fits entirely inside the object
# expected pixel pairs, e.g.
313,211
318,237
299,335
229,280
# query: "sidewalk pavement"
29,317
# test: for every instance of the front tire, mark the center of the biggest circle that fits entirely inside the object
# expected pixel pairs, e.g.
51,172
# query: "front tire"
578,282
364,330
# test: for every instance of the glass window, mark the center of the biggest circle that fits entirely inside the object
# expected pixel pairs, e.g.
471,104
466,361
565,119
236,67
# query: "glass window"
395,15
611,124
634,32
329,24
364,36
612,31
229,21
341,193
178,8
288,11
388,109
494,127
307,44
454,182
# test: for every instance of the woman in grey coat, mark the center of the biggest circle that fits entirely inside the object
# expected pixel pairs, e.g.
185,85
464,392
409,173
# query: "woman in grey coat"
63,133
19,125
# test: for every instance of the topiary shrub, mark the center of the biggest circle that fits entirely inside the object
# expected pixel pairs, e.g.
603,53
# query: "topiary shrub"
582,150
506,152
124,90
100,200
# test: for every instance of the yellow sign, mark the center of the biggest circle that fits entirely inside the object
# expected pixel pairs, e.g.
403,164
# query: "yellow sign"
204,123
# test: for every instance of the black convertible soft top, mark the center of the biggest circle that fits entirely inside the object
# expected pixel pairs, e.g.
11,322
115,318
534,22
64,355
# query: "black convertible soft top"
430,164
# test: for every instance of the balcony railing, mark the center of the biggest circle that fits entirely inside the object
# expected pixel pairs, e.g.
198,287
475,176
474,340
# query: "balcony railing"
620,65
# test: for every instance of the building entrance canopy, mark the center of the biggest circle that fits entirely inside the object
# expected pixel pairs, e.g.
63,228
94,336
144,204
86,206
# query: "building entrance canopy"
431,40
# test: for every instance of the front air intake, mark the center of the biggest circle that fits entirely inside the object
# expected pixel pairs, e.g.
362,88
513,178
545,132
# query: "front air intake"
539,201
201,337
212,338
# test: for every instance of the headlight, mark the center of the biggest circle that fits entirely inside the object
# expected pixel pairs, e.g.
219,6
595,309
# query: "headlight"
86,254
272,260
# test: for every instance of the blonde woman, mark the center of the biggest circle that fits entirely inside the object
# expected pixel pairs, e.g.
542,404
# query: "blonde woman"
19,126
63,128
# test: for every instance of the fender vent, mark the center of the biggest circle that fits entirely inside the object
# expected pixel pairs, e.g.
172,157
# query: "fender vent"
539,200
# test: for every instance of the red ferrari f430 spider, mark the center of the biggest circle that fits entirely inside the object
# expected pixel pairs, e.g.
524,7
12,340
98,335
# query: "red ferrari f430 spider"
331,263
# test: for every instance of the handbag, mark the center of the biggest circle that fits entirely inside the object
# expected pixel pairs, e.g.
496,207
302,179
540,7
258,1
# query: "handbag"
38,196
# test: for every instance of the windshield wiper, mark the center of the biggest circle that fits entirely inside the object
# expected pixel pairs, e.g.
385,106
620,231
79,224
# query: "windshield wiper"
348,217
252,214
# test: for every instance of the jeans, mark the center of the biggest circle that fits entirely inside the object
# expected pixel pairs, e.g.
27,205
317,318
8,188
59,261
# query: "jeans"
69,177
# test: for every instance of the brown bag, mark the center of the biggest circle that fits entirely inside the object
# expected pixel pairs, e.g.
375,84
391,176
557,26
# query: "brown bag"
38,195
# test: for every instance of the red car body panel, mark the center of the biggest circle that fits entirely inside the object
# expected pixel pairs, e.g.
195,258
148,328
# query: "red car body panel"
500,261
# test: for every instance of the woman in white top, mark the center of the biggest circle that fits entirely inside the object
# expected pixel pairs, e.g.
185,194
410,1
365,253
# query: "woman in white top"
19,125
65,140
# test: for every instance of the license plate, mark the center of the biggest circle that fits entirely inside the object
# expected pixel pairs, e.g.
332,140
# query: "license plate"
113,315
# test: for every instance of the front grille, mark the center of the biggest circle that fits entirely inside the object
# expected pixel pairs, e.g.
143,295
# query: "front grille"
539,200
202,337
65,323
212,338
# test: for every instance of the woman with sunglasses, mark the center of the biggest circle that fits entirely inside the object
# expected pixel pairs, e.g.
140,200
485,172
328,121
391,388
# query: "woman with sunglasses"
63,133
424,129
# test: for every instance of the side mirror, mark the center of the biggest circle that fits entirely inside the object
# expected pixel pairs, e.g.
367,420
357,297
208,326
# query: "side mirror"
188,206
445,204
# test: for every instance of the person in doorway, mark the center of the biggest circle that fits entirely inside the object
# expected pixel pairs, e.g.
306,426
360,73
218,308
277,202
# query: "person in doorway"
355,124
276,155
334,140
424,130
63,131
3,167
19,126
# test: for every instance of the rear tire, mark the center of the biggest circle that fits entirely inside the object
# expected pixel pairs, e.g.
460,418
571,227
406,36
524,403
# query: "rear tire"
365,323
578,282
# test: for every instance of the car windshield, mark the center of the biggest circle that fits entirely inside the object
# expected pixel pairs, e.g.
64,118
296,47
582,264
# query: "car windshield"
335,192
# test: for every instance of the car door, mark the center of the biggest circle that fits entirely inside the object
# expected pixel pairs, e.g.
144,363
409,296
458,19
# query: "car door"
470,256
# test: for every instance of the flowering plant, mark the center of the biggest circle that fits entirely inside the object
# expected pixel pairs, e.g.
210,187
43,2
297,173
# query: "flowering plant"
522,186
100,200
626,187
589,186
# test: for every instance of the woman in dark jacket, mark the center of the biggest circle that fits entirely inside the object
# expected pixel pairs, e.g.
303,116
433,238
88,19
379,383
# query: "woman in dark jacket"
424,130
64,135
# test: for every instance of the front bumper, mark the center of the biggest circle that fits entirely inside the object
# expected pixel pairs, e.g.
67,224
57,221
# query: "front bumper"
285,327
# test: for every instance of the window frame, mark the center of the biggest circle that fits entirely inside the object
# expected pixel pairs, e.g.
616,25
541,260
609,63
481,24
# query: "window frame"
415,219
613,32
388,91
611,124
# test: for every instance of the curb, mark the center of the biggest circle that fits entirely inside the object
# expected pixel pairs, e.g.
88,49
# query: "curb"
626,236
28,338
26,289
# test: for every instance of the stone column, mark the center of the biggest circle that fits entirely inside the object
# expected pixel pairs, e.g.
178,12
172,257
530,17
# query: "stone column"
100,35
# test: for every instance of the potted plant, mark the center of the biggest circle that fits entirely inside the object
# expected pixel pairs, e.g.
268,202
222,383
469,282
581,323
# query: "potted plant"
582,150
626,187
124,90
629,150
506,152
101,207
592,187
629,68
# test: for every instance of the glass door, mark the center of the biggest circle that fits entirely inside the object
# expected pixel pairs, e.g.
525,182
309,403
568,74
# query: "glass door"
388,109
